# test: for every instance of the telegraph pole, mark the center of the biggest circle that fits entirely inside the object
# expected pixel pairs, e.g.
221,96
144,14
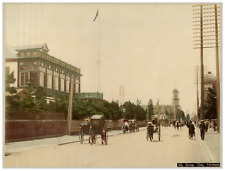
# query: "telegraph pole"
217,70
197,97
202,66
69,118
207,30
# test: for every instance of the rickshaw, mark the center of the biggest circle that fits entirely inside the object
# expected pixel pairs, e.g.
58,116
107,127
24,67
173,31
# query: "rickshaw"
156,129
125,126
95,126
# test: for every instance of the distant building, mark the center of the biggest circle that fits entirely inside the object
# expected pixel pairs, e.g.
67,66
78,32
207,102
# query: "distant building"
167,109
163,109
33,64
209,82
176,102
90,96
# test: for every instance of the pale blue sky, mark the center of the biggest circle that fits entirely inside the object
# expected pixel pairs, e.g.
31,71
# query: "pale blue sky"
148,48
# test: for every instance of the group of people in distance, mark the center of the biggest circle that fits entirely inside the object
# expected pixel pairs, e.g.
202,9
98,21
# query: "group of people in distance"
203,126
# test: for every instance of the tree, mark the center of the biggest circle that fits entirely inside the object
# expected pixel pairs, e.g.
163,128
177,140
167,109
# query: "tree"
187,117
40,98
210,104
132,111
12,101
28,103
150,109
180,114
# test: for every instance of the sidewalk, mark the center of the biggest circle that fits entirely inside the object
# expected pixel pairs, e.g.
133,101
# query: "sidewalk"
212,144
26,145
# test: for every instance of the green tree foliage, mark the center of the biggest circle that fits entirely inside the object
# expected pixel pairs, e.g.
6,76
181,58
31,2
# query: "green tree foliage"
40,98
84,108
132,111
112,109
180,114
210,105
12,101
150,109
187,117
29,103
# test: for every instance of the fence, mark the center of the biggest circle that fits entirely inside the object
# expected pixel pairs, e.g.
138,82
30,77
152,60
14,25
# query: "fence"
19,130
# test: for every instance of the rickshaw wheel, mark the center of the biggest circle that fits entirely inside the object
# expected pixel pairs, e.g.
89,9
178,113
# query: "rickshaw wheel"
94,138
105,137
81,136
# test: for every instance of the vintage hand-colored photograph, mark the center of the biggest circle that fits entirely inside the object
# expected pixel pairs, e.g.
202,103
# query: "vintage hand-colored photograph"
112,85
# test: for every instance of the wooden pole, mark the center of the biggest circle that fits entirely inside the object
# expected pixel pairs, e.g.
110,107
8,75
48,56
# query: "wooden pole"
69,118
217,72
202,66
197,97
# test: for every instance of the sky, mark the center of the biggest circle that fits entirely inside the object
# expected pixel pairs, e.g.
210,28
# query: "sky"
148,48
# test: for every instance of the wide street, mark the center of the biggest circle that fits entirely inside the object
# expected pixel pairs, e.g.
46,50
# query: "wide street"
124,150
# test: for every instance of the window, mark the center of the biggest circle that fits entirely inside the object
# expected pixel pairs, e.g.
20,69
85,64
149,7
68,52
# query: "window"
62,84
56,83
22,53
77,87
28,54
34,53
33,78
45,80
41,79
67,86
24,78
49,81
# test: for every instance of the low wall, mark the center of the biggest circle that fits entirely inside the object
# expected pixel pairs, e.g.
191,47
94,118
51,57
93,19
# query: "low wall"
18,130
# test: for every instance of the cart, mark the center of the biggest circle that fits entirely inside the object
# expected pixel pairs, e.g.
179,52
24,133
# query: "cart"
96,126
125,126
156,130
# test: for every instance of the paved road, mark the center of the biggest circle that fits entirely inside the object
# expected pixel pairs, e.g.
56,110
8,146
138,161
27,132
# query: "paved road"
128,150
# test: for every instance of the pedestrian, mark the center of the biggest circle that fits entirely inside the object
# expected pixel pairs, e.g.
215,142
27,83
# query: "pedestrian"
178,125
191,128
202,129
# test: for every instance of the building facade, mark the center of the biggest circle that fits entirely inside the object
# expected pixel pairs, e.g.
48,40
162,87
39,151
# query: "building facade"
34,65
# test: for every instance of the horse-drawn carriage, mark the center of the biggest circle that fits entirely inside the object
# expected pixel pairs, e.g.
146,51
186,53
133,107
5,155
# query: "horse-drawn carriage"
153,127
93,127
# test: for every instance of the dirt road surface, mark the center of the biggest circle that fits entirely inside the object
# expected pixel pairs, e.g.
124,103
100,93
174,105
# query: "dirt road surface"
126,150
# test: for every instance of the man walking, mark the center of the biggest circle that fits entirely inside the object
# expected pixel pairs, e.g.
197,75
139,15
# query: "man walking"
202,129
191,128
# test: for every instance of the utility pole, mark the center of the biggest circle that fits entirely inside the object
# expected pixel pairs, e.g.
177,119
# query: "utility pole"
69,118
202,66
197,97
206,33
217,70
